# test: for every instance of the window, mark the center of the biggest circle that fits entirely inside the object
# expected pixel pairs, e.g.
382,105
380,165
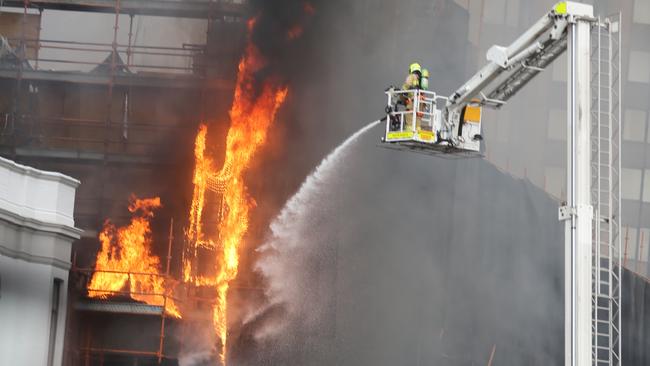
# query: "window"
512,13
628,243
502,126
642,11
554,181
557,124
646,186
634,125
474,26
631,184
56,299
463,3
638,70
644,245
494,11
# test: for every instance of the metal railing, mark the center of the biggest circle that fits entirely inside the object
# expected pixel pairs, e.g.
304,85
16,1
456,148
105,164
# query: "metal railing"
411,115
168,298
188,58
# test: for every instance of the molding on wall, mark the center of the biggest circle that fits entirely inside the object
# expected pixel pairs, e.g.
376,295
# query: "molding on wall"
38,225
31,258
35,229
39,174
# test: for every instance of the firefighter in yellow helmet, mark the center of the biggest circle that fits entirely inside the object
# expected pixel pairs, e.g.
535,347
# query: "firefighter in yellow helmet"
412,82
414,77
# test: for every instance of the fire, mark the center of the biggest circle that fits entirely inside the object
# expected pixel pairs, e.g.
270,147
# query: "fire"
251,115
128,249
125,259
202,173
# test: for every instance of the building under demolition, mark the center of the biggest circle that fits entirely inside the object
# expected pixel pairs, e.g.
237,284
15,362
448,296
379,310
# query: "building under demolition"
136,103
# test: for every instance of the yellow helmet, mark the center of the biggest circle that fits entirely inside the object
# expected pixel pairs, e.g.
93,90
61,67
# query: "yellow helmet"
425,73
415,67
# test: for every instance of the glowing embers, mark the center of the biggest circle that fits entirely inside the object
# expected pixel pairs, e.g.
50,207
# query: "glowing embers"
125,264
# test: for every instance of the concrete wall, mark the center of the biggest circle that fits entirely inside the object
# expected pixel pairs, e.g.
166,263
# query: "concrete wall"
25,312
36,234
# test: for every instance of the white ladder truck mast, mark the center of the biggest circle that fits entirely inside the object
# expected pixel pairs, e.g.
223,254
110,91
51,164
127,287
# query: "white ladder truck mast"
423,121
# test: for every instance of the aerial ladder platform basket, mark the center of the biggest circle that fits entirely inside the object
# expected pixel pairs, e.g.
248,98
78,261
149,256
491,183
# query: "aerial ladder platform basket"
415,121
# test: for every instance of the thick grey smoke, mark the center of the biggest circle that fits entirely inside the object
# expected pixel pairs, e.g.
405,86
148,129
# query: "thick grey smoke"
401,259
373,263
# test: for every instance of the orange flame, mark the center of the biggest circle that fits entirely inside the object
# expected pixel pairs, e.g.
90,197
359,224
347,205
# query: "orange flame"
125,259
202,172
251,116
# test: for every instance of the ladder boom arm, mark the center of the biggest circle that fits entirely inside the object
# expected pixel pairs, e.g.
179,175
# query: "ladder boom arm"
538,39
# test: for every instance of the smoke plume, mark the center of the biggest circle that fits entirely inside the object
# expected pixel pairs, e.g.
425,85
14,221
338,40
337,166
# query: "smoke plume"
400,258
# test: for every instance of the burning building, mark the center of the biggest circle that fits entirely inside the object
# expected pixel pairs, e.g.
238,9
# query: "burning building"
191,123
115,103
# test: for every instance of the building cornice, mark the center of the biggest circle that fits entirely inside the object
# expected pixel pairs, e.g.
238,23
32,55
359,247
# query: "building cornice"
38,225
39,174
45,251
33,258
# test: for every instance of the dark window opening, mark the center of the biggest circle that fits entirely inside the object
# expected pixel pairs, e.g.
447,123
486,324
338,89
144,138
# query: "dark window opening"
56,295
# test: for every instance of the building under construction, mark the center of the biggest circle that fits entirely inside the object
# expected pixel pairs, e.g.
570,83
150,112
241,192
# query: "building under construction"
447,262
114,104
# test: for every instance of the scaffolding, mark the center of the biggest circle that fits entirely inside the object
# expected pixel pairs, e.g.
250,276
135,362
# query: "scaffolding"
122,302
117,302
187,9
88,108
120,60
125,65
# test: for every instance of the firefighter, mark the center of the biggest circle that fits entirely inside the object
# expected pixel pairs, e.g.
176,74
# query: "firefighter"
424,106
412,82
414,77
424,81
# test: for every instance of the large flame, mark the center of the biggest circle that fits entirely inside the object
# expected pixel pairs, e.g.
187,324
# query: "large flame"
125,259
202,172
128,249
251,115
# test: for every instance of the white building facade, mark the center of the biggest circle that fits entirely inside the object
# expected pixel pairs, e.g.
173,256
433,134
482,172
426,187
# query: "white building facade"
36,235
